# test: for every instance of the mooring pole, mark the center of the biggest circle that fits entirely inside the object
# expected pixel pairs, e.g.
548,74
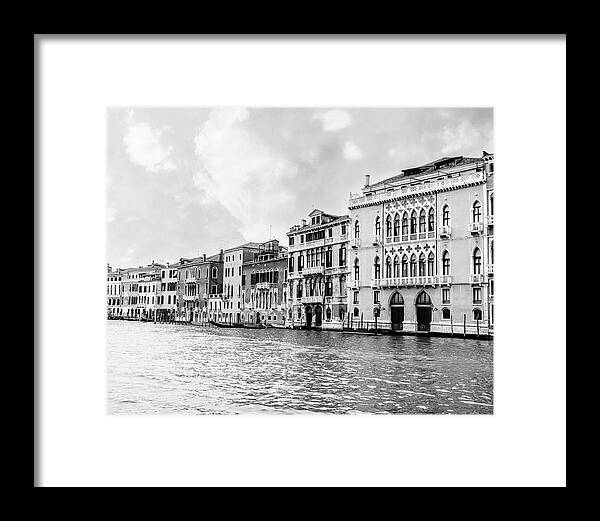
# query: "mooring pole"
464,326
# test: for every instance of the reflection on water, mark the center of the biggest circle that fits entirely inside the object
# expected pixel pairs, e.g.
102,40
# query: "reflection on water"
165,368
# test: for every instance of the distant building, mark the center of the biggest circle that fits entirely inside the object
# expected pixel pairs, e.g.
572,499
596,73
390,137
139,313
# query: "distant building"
140,290
233,260
197,278
422,248
114,292
318,271
167,293
264,285
216,305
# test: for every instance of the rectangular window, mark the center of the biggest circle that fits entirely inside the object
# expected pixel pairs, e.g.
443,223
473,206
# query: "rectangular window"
343,229
291,241
355,297
330,232
476,295
376,297
446,296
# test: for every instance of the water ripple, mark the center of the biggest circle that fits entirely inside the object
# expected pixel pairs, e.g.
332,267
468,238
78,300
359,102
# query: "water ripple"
164,368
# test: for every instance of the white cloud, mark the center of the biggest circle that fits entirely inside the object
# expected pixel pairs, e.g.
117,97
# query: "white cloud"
335,119
144,147
459,138
351,151
241,171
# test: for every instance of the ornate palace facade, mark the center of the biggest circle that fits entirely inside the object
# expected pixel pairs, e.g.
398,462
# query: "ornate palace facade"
421,248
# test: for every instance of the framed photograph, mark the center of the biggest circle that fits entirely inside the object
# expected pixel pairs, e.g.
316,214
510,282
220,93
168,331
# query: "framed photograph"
272,261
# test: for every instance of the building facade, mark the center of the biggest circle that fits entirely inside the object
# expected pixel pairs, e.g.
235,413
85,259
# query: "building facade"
421,248
167,293
197,278
233,262
140,291
318,271
264,285
114,292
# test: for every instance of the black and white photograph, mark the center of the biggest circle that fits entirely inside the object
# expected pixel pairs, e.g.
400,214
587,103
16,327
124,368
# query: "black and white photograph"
270,260
300,260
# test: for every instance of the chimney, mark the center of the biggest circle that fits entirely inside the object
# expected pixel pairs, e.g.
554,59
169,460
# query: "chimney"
204,256
221,255
367,179
303,222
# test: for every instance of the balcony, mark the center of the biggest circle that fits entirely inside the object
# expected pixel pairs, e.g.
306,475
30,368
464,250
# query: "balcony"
355,242
444,231
376,240
337,270
376,283
475,228
444,280
354,284
295,275
476,278
190,280
188,298
490,269
336,300
423,280
263,285
315,270
490,220
314,299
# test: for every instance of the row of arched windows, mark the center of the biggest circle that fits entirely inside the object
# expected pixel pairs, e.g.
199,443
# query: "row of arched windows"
413,266
416,223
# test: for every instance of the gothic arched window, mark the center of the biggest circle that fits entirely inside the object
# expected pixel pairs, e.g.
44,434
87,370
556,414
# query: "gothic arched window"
377,268
476,212
446,263
477,261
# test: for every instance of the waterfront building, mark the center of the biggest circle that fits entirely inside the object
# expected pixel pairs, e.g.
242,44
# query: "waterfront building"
264,285
318,271
421,248
139,291
216,305
233,261
114,292
167,293
197,278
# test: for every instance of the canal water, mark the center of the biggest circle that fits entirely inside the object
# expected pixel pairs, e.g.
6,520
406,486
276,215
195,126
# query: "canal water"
169,368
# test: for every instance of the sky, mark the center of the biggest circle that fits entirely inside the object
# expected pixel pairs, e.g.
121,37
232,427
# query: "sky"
187,181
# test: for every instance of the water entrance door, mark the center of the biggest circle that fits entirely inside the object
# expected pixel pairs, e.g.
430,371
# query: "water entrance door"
308,317
397,317
318,316
423,318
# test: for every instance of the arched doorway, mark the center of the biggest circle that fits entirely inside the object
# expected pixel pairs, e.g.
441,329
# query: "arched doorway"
308,313
318,316
397,307
423,304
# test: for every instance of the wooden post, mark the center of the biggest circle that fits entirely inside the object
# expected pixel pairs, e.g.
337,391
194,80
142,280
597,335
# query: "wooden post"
375,324
361,320
451,327
478,329
465,326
